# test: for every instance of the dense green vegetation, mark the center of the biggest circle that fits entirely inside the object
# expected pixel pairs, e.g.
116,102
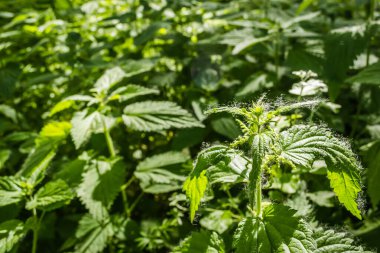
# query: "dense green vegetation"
189,126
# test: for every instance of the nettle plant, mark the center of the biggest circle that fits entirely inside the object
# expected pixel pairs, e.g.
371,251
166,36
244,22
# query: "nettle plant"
259,157
95,179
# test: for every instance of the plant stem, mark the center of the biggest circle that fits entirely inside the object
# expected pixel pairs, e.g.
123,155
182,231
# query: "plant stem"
258,196
35,231
124,195
135,203
108,138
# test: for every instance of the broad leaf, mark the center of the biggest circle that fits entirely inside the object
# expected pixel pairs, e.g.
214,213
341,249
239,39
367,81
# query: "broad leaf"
224,164
156,116
11,232
11,190
53,195
92,235
302,145
162,173
100,185
279,230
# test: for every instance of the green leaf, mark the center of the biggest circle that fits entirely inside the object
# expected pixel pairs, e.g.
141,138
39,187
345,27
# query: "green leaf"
226,126
100,185
156,116
109,79
11,190
47,142
9,112
342,47
248,42
11,232
68,102
302,145
369,75
53,195
201,242
219,221
162,173
279,230
225,165
337,242
4,156
131,91
83,125
92,235
373,173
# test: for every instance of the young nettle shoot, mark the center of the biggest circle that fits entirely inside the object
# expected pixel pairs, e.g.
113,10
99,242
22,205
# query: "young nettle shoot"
263,149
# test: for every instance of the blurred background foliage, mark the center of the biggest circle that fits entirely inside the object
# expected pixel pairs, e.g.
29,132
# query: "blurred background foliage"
198,54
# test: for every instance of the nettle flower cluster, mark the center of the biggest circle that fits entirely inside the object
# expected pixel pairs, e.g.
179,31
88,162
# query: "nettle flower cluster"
263,153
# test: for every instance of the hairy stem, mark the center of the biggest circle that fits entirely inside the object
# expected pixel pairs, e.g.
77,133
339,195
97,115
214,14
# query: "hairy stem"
108,138
258,196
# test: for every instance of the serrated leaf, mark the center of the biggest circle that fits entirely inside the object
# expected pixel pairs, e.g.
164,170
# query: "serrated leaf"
338,242
156,116
131,91
225,165
279,230
100,185
162,173
201,242
83,125
11,190
109,79
11,232
53,195
302,145
92,235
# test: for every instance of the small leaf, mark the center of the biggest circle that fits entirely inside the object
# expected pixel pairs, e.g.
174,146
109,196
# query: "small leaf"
53,195
156,116
279,230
